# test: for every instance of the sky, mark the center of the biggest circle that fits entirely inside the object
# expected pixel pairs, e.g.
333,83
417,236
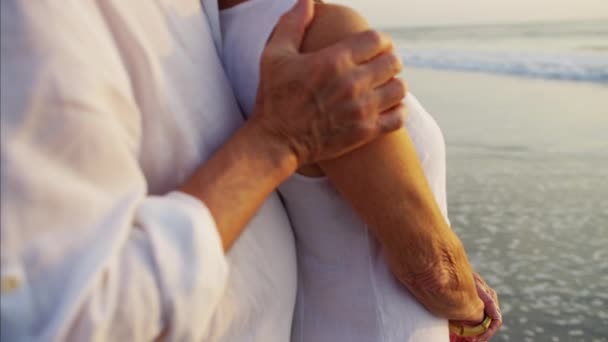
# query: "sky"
388,13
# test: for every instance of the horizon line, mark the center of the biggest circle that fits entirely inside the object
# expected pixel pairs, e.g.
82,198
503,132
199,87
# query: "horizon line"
491,23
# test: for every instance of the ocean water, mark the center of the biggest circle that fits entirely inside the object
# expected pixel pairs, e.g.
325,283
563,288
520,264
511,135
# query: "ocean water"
568,51
524,110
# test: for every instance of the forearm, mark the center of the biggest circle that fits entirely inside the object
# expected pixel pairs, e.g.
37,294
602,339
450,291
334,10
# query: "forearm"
385,183
239,177
307,110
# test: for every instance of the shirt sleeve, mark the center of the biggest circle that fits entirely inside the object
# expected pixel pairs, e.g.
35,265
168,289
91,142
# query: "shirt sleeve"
86,253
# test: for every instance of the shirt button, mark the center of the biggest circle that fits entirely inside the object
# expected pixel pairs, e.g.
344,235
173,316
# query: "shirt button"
9,284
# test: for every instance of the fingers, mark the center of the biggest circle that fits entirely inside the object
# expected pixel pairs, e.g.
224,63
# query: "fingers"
495,305
345,87
490,301
361,47
375,83
391,120
389,95
386,100
491,331
381,69
491,308
291,28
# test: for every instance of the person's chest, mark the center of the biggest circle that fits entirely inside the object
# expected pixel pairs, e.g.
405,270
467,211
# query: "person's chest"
188,111
186,104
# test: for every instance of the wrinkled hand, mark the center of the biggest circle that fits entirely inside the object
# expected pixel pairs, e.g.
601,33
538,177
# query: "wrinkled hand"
491,308
324,104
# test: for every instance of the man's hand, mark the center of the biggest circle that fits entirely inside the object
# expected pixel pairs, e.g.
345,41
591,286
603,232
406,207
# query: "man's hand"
310,107
324,104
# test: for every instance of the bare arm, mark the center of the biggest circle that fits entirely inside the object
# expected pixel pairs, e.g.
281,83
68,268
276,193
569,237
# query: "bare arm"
272,145
236,180
423,252
88,253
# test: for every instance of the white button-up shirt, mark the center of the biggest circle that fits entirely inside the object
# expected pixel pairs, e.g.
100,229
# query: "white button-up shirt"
107,106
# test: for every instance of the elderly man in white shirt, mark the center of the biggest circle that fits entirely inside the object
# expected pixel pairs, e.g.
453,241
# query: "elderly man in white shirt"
128,170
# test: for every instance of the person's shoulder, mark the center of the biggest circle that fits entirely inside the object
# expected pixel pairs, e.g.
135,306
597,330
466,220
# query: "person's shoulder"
55,39
332,23
60,58
339,17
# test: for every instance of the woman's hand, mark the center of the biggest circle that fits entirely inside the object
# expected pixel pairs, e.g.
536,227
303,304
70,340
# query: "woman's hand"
492,309
327,103
492,306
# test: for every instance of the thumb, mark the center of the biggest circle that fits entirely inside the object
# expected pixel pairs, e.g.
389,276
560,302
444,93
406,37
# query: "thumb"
290,30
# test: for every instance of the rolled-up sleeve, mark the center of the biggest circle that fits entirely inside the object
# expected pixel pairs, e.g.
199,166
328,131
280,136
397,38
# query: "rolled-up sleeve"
87,254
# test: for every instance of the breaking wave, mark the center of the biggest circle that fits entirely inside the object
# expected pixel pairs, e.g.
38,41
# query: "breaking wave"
587,68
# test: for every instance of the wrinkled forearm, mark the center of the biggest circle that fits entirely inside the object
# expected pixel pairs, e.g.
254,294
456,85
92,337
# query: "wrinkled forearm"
429,259
422,251
386,185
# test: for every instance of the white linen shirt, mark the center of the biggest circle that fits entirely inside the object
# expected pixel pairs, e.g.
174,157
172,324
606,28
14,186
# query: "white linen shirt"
107,106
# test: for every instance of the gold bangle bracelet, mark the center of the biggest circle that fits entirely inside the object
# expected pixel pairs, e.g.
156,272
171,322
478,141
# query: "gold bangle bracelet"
464,331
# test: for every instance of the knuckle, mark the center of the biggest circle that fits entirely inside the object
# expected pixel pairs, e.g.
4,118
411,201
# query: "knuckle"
400,114
400,88
374,37
273,58
288,19
267,55
344,60
405,86
394,62
359,111
351,88
400,120
337,62
326,65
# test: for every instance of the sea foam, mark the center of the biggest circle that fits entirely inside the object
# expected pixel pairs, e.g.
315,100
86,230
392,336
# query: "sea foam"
588,68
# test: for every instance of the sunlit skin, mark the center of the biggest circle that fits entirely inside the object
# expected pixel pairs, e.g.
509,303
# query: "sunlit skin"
422,250
296,121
